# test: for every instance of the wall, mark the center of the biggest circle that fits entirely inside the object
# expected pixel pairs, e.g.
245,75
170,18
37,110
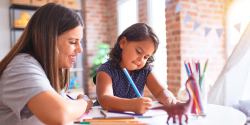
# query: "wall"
101,27
185,44
4,28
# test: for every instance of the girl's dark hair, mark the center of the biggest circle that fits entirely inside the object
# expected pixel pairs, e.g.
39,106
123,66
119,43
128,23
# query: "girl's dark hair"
136,32
39,39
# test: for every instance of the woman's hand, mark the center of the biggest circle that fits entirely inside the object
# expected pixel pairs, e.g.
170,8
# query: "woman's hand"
171,100
141,105
86,98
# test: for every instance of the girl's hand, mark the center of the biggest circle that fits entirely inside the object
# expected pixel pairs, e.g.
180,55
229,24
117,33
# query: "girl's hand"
86,98
171,100
141,105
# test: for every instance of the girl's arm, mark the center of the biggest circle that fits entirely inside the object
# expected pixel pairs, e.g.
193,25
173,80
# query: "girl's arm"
51,108
161,94
108,101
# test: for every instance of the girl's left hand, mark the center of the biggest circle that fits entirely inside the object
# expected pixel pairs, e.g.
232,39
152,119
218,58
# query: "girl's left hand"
171,100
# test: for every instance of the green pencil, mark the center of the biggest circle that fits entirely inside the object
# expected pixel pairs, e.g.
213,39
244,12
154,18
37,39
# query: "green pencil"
204,72
82,122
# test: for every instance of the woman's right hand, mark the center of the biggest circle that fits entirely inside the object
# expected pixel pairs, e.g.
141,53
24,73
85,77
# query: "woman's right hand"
86,98
141,105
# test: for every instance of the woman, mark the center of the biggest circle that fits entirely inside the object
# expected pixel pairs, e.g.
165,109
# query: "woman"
36,70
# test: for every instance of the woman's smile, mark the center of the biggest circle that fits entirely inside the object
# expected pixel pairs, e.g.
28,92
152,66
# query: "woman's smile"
72,58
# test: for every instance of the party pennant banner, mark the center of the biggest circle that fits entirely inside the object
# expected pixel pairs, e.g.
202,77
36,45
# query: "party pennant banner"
196,25
219,31
178,8
237,27
187,18
207,30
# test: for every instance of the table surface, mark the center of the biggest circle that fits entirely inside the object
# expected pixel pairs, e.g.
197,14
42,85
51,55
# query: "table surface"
216,115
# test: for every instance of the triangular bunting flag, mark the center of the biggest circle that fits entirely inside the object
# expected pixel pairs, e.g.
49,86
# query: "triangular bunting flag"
178,8
196,25
207,30
219,31
187,18
237,27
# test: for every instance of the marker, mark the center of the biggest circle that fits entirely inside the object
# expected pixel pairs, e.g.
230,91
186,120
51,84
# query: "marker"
132,83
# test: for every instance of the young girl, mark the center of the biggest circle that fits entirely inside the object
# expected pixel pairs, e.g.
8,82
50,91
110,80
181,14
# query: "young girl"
134,51
37,68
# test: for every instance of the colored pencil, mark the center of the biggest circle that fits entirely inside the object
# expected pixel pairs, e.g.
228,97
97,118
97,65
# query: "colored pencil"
191,86
110,120
104,113
131,82
195,100
124,113
82,117
199,73
123,117
110,123
204,71
196,93
117,121
107,122
69,97
118,117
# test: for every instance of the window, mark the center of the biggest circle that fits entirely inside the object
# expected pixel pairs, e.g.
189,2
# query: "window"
127,14
156,19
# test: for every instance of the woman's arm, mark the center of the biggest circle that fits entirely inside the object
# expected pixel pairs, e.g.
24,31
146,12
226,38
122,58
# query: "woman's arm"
108,101
50,108
161,94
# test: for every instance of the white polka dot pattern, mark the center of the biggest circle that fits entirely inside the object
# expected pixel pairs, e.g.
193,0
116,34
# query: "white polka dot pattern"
120,83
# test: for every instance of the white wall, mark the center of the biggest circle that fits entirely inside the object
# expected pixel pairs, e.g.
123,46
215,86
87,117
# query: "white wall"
4,28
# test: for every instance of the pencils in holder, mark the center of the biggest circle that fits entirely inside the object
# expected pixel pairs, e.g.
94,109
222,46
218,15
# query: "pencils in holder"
131,82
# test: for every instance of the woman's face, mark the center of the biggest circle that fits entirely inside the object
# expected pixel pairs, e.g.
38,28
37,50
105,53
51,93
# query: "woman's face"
69,46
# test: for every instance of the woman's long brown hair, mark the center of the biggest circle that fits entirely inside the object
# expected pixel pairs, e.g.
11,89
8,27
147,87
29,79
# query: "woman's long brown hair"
39,39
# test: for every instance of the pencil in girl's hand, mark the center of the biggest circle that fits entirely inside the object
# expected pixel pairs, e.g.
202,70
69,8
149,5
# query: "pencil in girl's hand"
131,82
69,97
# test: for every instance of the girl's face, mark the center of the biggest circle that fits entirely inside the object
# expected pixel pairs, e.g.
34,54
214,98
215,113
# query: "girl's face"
135,54
69,46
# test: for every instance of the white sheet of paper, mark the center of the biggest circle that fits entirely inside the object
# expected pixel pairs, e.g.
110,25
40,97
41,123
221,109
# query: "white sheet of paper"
95,112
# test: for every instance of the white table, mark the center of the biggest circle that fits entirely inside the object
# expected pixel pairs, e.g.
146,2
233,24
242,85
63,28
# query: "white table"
216,115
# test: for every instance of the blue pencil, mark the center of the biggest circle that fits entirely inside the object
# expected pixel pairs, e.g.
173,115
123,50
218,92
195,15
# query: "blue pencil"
70,97
131,81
